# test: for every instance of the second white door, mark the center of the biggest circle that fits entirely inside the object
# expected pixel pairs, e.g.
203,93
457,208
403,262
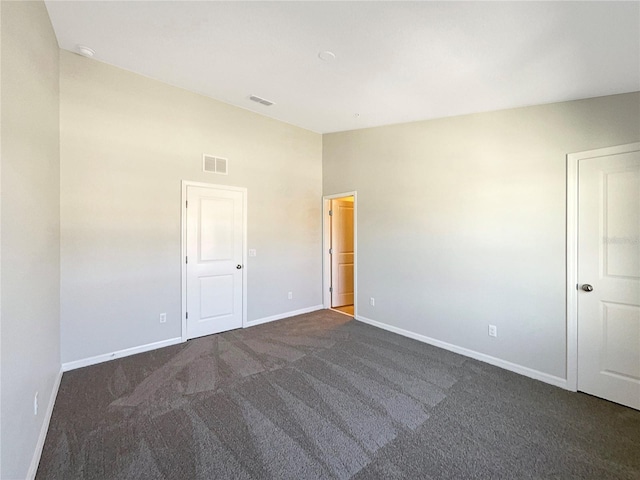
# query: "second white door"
214,269
609,276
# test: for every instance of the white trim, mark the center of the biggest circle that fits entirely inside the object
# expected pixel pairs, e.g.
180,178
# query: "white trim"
326,258
35,460
326,241
183,247
513,367
105,357
572,274
280,316
573,160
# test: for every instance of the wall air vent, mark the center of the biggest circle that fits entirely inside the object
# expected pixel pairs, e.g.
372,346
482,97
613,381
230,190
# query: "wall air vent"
213,164
260,100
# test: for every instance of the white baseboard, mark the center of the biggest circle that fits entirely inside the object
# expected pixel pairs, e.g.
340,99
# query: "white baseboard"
513,367
85,362
35,460
280,316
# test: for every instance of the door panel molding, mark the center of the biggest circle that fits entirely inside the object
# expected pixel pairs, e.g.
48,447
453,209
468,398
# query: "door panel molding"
573,160
183,247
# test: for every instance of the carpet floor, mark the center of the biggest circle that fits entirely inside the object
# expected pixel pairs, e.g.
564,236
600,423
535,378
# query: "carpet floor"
324,396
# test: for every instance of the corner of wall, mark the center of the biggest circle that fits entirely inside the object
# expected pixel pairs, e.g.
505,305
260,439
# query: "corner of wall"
30,162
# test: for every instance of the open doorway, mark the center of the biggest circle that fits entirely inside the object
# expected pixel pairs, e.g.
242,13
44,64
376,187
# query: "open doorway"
340,253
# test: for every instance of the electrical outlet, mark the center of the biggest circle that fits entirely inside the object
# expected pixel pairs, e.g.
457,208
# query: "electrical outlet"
493,331
290,295
163,318
252,252
35,404
372,301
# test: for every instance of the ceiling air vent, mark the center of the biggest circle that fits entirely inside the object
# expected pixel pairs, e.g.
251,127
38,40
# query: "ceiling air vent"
213,164
260,100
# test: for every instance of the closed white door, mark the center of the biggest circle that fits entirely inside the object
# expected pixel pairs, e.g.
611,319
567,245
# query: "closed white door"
214,241
342,252
609,277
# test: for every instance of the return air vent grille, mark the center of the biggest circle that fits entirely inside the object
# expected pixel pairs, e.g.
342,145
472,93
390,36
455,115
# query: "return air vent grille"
213,164
261,100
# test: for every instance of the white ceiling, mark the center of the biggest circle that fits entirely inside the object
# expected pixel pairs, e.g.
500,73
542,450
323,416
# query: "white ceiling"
395,61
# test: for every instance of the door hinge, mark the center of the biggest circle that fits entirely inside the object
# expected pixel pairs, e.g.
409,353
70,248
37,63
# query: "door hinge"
186,315
186,204
186,259
330,289
331,213
331,251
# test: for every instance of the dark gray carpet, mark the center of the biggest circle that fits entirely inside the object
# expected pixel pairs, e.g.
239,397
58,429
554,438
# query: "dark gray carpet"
324,396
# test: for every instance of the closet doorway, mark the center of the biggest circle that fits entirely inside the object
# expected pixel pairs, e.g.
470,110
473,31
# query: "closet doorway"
340,253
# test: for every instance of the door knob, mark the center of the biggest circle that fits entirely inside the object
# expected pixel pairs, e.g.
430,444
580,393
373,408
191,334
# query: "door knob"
238,267
587,288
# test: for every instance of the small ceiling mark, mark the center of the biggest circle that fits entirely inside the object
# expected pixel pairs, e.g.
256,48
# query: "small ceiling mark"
260,100
86,51
327,56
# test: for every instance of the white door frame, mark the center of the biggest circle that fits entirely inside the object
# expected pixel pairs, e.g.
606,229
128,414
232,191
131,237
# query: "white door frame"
326,242
572,251
183,247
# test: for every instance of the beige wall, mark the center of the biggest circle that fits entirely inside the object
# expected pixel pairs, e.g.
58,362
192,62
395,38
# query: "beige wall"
30,273
461,221
126,143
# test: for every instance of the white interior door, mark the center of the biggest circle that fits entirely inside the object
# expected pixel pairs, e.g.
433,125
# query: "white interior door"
342,252
214,270
609,277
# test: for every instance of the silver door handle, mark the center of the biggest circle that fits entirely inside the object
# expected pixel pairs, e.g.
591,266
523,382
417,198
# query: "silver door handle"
587,288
